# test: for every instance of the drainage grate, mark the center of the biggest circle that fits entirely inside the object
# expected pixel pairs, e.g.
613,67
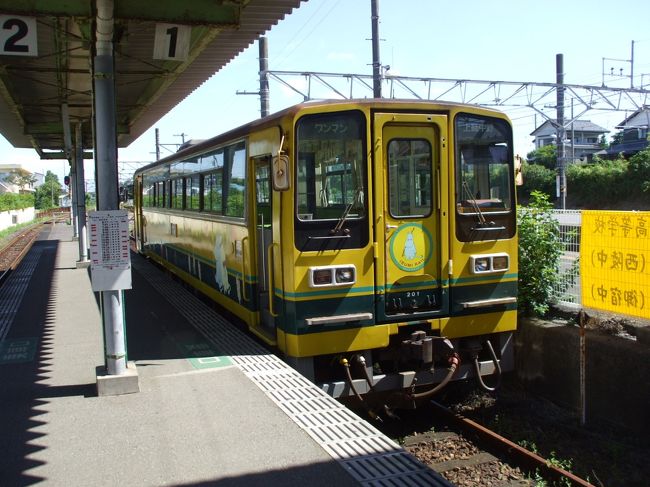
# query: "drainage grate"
367,455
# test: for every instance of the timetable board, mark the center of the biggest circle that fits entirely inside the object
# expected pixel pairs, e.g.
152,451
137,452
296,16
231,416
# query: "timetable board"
110,260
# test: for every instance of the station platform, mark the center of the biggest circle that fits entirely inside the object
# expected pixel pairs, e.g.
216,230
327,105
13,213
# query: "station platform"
213,407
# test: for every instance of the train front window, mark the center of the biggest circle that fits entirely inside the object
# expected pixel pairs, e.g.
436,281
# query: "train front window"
330,178
484,178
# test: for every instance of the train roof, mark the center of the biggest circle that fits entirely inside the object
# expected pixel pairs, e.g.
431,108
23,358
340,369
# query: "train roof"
272,120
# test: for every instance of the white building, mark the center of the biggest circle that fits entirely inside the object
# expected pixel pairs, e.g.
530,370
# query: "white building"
582,138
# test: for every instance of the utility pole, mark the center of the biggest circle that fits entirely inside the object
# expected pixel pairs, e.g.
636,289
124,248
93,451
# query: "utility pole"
264,92
632,66
376,63
157,145
264,77
561,132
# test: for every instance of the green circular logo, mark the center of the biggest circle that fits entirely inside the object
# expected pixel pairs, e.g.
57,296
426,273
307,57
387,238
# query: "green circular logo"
411,247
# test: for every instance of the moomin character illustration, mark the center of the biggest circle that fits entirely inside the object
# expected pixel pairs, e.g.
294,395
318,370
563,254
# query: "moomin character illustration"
221,273
409,252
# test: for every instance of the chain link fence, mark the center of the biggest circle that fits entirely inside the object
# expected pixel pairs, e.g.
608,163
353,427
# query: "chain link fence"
567,289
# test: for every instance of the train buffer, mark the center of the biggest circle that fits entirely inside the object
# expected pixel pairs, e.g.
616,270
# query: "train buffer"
213,408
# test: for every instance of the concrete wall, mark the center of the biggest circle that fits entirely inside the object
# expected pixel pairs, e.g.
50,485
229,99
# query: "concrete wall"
617,371
15,217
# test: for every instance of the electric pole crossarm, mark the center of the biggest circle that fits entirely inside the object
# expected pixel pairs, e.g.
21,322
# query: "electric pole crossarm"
407,88
278,77
328,85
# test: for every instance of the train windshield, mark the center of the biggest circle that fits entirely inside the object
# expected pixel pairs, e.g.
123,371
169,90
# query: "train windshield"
484,173
330,180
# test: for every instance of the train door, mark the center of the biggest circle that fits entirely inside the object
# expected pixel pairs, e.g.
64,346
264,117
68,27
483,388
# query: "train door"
411,231
263,218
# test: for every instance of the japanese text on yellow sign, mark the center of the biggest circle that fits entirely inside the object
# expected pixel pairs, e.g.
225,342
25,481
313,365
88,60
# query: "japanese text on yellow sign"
615,261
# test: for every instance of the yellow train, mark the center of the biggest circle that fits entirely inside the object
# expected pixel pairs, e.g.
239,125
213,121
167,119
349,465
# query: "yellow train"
373,242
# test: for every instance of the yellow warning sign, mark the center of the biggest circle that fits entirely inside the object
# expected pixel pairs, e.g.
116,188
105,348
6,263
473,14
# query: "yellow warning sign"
615,261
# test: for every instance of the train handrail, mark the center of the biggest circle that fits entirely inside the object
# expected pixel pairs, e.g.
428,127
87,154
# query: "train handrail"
271,262
243,267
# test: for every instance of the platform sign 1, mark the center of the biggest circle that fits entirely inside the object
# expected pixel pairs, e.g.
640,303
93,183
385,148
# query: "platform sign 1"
615,261
110,260
172,42
18,36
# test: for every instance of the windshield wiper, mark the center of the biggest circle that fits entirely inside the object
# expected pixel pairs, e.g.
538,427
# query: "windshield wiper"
346,212
483,224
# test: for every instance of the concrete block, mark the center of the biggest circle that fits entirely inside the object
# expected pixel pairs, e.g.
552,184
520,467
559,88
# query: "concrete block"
83,264
116,385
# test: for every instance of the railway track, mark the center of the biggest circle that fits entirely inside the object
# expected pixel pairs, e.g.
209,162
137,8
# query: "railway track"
14,248
468,454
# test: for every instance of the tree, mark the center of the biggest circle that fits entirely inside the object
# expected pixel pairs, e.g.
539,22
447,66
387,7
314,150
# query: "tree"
47,195
545,156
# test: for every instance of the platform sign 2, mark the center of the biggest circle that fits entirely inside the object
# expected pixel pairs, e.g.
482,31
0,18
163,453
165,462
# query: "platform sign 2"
18,36
615,261
172,42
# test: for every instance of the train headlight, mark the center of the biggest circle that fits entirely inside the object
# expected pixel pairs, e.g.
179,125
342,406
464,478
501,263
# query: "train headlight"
481,264
332,275
500,262
321,277
345,275
489,263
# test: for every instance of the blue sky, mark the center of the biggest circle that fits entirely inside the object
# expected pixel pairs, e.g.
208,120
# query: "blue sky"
509,40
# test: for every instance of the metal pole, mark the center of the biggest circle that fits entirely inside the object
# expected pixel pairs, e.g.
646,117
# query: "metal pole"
264,77
561,132
632,67
157,145
583,361
376,63
81,194
67,135
73,192
107,181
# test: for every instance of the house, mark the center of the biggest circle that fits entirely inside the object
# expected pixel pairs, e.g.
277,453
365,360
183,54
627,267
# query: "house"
16,179
582,138
635,133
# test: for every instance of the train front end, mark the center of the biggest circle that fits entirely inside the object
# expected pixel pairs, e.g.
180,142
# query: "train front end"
393,259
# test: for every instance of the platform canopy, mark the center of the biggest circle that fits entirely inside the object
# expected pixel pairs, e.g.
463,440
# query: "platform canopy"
163,50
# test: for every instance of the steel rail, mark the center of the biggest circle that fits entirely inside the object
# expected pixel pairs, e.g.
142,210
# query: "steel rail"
524,457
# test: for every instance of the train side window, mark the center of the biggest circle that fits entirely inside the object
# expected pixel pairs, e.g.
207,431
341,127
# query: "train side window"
212,192
235,193
177,190
147,195
263,189
160,194
192,189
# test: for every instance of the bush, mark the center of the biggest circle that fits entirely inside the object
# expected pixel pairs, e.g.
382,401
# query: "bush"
536,178
639,169
12,201
599,185
540,249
